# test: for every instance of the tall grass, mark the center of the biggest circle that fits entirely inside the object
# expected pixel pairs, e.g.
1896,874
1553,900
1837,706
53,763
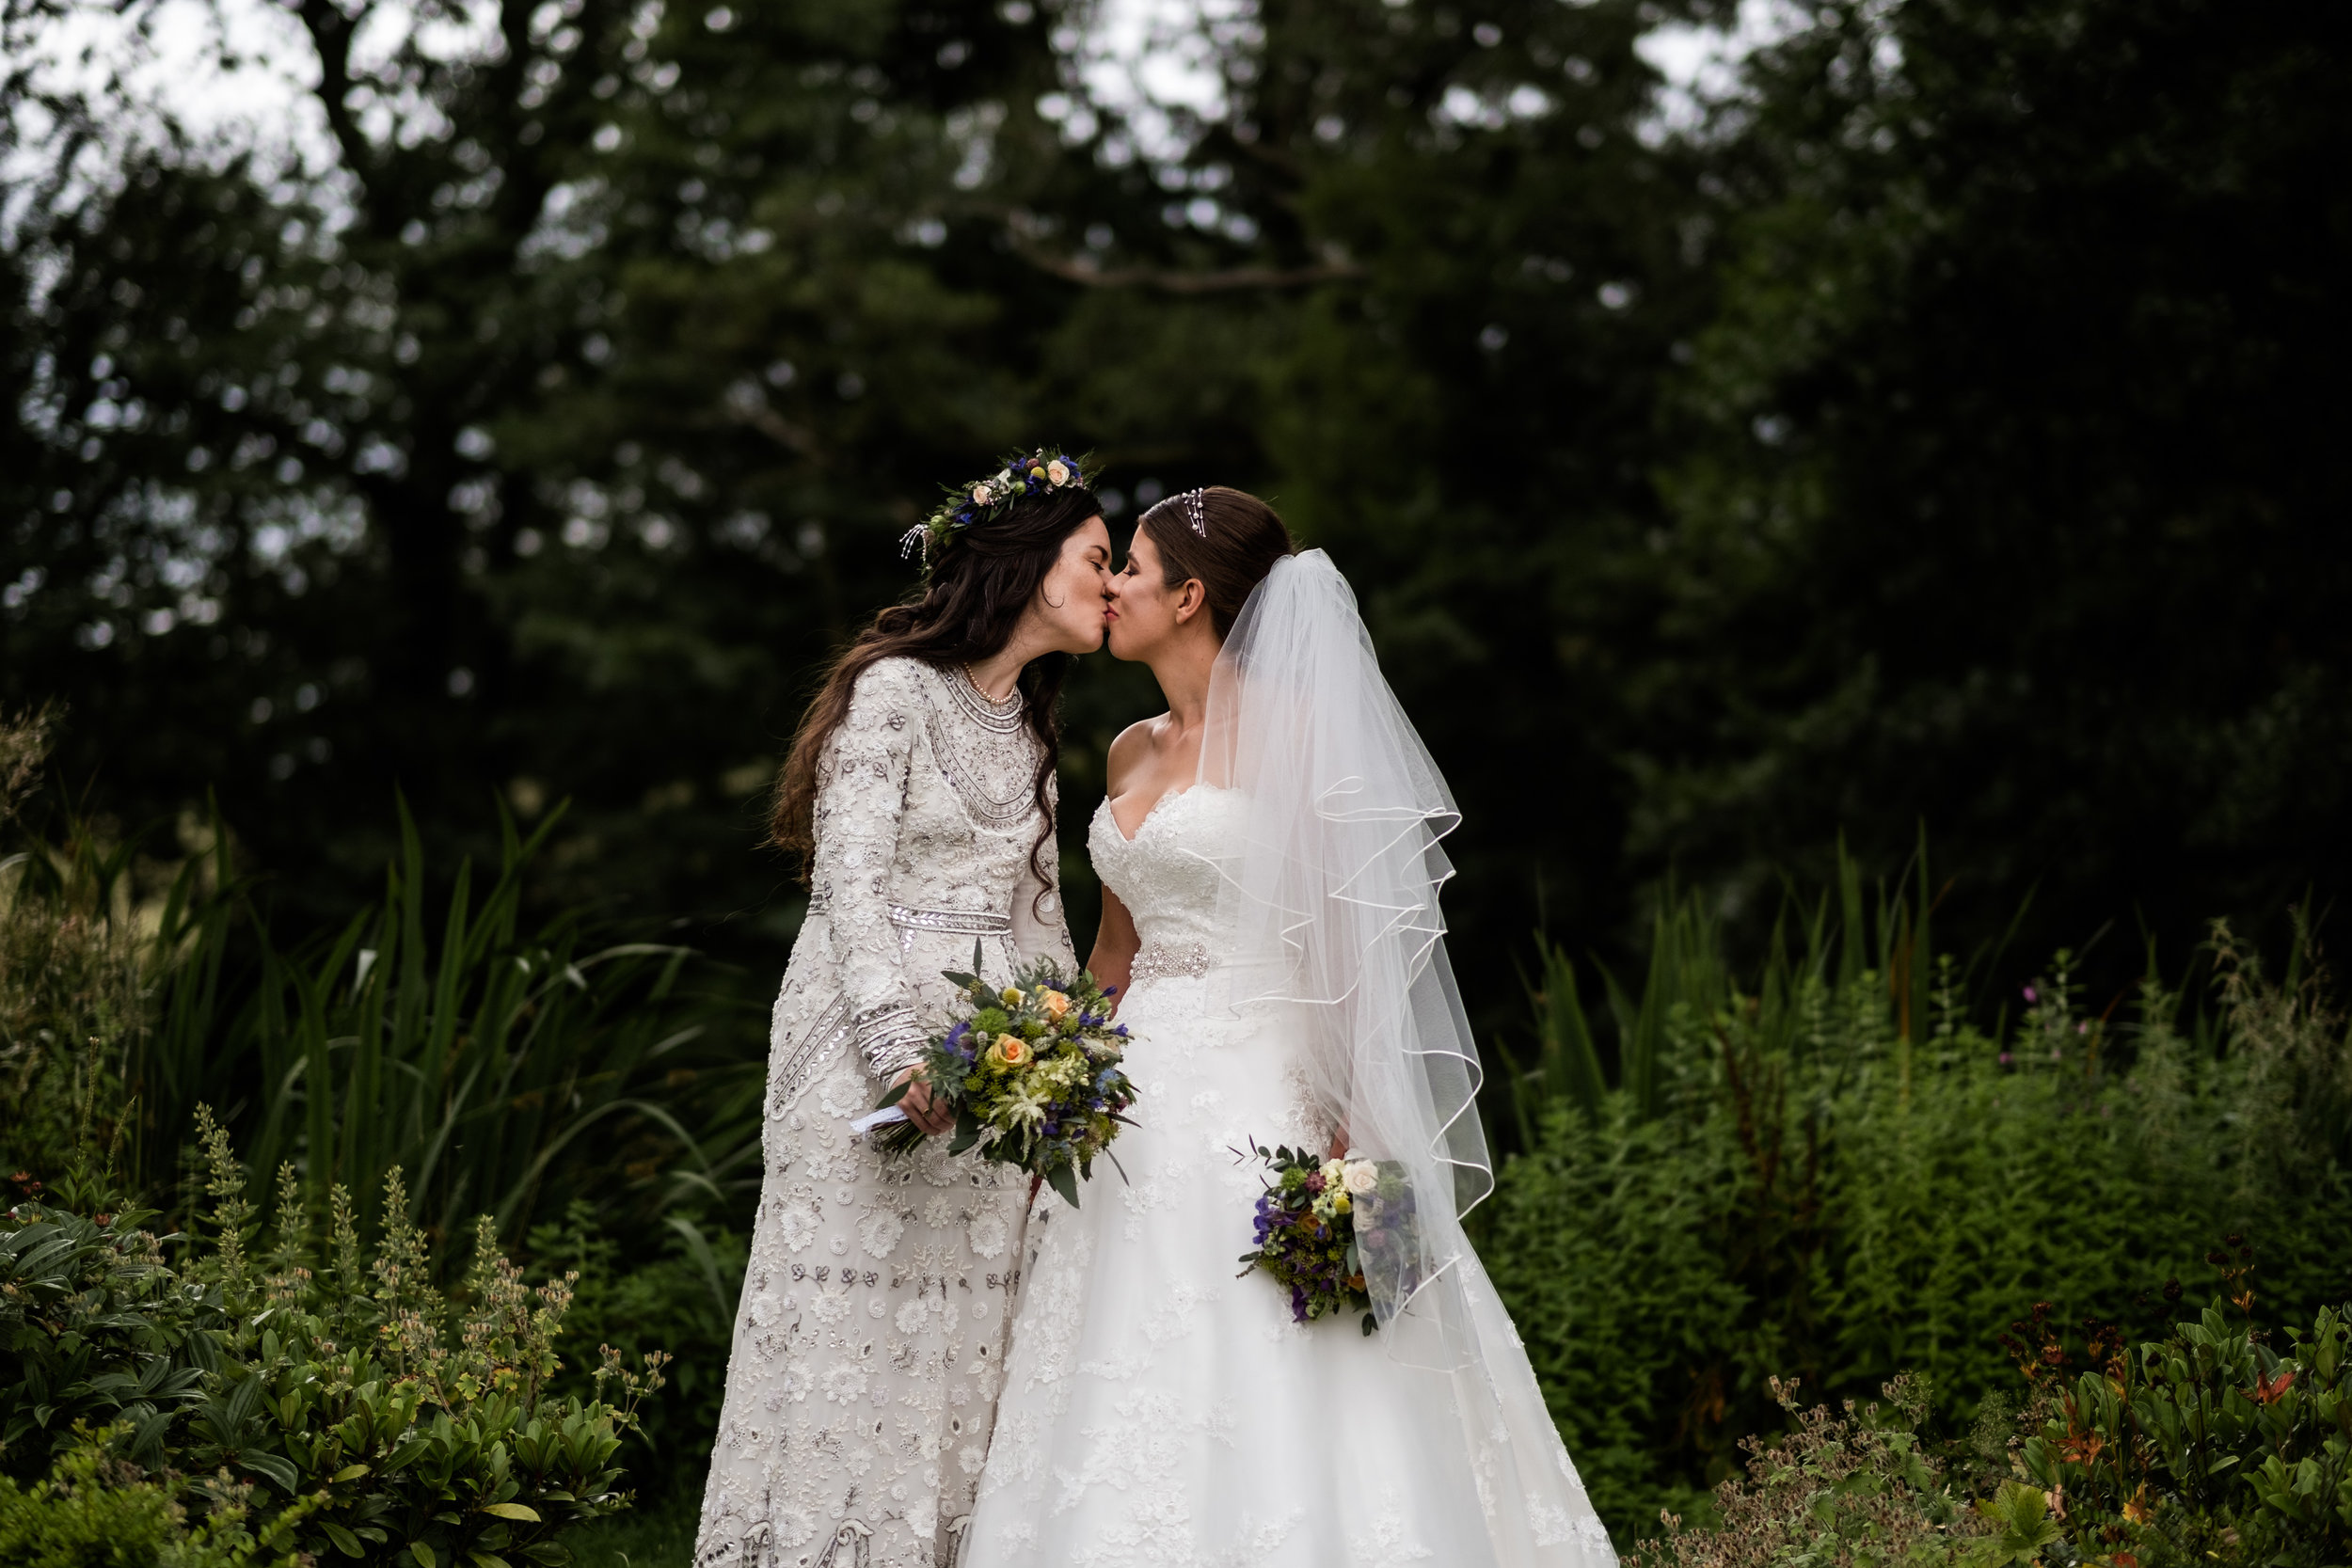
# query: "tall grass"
507,1067
511,1066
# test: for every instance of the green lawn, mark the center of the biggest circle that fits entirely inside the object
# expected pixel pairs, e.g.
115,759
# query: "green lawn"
661,1534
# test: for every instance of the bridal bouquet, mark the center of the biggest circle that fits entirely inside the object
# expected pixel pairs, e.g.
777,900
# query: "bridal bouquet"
1316,1222
1031,1072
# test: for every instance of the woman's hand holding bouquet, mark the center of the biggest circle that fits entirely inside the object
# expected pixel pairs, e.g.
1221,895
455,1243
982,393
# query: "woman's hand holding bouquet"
1030,1074
1308,1234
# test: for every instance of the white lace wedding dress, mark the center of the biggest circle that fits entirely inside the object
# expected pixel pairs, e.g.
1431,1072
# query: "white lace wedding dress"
870,1338
1160,1411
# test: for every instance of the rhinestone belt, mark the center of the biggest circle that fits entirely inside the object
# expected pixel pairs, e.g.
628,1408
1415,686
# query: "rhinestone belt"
968,922
1159,961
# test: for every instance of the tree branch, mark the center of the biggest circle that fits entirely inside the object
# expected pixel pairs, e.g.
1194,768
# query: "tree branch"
775,427
330,34
1228,280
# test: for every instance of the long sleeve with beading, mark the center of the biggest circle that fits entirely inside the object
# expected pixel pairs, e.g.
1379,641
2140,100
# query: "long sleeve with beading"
861,1393
861,795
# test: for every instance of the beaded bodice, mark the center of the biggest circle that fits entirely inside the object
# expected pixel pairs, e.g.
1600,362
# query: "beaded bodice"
1168,875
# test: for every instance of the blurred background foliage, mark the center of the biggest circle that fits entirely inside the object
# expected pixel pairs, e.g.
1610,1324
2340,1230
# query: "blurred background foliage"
1940,426
1936,428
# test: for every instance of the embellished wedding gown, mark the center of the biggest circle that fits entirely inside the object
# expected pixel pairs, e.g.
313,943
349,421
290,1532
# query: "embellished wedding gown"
1159,1410
870,1343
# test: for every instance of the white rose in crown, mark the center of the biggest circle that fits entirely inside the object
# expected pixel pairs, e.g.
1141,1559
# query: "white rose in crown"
1057,472
1361,1178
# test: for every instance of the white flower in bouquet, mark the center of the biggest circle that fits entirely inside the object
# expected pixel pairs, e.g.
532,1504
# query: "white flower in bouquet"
1361,1177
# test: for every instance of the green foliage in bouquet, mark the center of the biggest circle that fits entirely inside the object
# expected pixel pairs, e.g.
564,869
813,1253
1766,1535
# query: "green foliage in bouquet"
1032,1073
404,1426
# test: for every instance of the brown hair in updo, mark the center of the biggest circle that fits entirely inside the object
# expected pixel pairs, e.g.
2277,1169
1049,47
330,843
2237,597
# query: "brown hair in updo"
1243,540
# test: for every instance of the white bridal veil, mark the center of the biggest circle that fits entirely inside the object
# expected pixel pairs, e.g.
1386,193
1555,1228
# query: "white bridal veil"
1330,890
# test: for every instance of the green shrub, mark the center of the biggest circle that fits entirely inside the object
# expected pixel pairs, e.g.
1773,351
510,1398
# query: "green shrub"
412,1425
98,1511
1859,1489
73,976
94,1329
682,1299
2205,1447
510,1069
2208,1444
1837,1176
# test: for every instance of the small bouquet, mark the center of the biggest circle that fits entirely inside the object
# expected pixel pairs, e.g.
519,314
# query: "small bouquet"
1309,1233
1032,1074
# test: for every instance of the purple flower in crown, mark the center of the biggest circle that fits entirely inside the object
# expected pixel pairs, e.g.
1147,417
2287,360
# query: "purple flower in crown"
1022,475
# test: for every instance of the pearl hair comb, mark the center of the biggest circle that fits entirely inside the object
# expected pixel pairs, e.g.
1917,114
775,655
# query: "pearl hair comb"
1196,502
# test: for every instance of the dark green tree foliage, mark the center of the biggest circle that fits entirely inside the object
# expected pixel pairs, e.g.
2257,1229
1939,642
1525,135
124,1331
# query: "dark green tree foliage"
1947,433
511,452
1465,269
2008,481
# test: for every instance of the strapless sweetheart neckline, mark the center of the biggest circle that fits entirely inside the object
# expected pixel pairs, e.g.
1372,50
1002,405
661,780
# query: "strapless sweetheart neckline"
1126,837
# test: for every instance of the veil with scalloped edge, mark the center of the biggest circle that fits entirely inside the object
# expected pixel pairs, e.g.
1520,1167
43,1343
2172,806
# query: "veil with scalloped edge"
1329,893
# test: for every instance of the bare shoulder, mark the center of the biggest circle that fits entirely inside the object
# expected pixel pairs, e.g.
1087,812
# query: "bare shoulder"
1133,747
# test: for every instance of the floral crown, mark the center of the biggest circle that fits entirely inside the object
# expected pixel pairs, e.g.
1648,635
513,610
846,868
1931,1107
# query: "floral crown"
1036,473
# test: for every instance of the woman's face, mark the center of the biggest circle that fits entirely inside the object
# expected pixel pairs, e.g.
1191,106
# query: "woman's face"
1144,611
1070,602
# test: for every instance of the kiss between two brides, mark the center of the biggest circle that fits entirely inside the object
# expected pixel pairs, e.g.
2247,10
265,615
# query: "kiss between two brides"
936,1366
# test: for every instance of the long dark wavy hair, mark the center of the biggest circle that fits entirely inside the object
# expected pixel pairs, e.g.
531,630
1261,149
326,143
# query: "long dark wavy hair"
978,586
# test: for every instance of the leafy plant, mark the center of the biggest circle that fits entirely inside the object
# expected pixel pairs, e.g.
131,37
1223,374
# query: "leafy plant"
2208,1444
681,1296
97,1511
74,969
1830,1170
1856,1490
95,1329
411,1424
507,1071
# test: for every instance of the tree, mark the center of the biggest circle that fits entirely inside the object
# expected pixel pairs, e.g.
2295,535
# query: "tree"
2006,488
536,444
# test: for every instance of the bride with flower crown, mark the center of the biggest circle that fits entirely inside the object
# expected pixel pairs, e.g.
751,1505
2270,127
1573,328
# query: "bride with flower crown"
1269,856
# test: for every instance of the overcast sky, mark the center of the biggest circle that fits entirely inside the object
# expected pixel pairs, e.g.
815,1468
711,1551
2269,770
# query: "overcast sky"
1140,52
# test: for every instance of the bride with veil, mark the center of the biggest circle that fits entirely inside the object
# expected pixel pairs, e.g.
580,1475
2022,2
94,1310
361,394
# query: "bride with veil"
1269,851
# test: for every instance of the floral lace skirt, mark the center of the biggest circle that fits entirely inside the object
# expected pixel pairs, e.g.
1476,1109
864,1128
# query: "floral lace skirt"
867,1348
1158,1410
